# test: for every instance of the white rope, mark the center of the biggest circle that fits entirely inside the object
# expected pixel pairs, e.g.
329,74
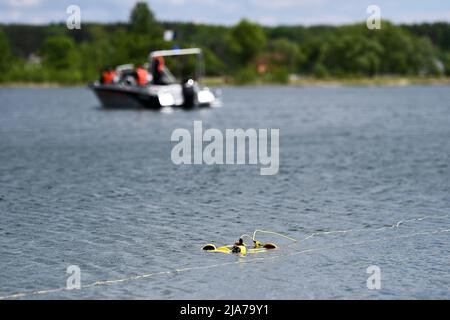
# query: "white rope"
275,233
394,226
247,236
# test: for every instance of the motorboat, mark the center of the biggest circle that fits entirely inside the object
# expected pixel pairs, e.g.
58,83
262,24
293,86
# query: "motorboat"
161,90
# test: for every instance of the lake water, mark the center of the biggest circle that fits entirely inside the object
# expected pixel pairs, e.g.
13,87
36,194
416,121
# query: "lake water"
83,186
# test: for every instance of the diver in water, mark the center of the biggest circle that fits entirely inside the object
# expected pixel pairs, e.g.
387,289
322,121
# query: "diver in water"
239,247
257,244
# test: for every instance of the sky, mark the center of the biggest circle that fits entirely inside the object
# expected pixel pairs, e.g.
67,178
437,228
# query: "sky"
228,12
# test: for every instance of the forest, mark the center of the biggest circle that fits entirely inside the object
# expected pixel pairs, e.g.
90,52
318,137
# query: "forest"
243,53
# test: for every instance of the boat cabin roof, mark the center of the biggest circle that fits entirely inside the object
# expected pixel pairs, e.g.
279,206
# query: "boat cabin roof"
175,52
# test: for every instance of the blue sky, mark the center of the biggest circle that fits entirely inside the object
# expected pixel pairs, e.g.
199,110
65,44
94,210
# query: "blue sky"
267,12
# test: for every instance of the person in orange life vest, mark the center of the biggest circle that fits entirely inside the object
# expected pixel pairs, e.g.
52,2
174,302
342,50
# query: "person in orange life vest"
141,75
157,70
108,76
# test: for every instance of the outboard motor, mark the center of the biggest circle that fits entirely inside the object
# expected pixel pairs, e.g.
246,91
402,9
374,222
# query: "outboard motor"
189,93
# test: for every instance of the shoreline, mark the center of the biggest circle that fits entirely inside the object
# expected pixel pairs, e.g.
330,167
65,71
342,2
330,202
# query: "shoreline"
300,82
39,85
338,82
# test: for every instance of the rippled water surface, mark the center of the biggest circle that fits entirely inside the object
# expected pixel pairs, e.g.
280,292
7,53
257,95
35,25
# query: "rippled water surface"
83,186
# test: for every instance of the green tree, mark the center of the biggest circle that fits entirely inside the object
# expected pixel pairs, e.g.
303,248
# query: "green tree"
398,48
120,44
60,53
61,60
352,54
142,21
95,53
424,57
313,50
245,42
288,53
213,65
5,53
447,63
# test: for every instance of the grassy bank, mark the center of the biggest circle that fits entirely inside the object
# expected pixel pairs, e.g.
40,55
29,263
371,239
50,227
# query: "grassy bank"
32,85
300,82
311,81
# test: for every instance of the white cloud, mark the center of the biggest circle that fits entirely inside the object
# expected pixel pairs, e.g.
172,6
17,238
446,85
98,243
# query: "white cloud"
328,19
192,2
228,12
285,4
269,20
23,3
13,15
423,16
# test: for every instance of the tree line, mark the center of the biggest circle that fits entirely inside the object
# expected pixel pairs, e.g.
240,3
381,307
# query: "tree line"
245,52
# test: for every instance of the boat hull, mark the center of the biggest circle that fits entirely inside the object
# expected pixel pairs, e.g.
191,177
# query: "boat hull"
152,97
125,97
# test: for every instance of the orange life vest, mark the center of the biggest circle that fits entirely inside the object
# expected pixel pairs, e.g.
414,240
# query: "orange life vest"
108,77
142,76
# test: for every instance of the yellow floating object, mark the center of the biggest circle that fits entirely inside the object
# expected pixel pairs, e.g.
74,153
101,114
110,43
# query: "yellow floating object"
242,249
224,249
212,248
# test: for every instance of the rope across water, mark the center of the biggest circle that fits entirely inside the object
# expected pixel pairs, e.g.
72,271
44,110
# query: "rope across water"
267,257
